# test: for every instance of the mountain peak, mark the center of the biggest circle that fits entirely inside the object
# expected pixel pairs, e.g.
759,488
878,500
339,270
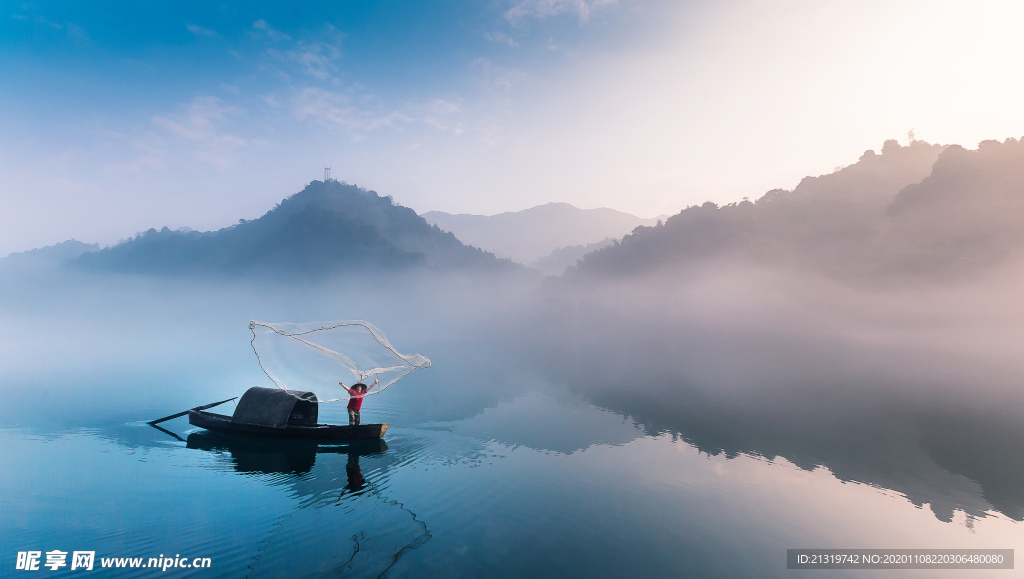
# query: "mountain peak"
325,228
533,233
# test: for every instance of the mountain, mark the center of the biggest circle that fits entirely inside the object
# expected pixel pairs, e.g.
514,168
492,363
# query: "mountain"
968,214
856,222
555,262
325,228
528,235
42,260
56,253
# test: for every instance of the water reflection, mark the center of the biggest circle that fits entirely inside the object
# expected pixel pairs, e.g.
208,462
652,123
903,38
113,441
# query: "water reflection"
341,524
356,482
946,457
912,407
250,454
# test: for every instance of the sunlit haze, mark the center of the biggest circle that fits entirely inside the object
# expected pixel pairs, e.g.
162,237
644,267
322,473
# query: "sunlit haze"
120,118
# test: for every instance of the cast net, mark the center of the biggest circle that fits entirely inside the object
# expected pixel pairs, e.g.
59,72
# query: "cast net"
317,355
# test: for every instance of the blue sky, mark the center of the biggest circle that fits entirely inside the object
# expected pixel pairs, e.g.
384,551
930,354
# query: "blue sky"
116,116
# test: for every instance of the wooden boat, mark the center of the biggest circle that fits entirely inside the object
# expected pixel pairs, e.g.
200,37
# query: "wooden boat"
281,414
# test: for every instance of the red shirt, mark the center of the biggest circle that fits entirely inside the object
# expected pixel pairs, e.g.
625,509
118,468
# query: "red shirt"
356,401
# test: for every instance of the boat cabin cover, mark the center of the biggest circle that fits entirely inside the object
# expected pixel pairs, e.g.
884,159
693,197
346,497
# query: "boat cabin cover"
276,407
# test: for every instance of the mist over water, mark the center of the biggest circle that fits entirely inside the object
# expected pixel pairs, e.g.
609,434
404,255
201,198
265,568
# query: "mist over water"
906,389
692,419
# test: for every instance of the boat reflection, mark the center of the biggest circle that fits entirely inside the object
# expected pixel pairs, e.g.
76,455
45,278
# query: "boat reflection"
249,454
342,524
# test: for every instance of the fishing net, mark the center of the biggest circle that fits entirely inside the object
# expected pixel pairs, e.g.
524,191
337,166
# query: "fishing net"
317,355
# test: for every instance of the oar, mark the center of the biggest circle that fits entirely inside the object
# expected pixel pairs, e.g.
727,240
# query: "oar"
165,418
165,431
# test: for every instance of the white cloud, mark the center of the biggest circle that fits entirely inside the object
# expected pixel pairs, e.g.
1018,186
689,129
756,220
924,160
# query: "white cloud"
501,38
38,20
73,31
199,30
442,107
271,33
313,103
199,124
76,32
316,58
498,77
546,8
315,54
360,113
440,114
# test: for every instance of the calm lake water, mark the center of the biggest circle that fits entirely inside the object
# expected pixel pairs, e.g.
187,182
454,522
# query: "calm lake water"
500,461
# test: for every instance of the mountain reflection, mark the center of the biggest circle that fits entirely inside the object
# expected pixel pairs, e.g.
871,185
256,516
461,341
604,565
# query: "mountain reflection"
932,455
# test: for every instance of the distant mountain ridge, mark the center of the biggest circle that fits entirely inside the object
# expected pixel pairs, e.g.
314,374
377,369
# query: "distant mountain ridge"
325,228
555,262
921,210
527,236
56,253
51,257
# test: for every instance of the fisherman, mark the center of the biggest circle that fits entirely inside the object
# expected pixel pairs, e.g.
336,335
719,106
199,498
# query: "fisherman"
356,392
